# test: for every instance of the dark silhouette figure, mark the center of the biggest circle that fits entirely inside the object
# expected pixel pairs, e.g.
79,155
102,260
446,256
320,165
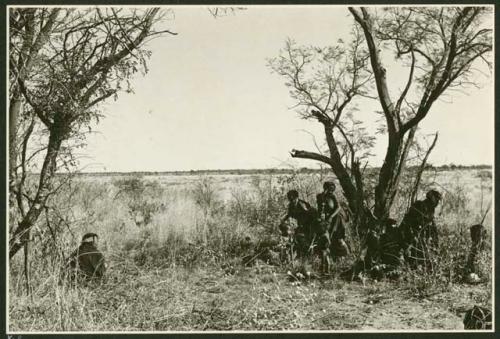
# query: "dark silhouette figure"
390,244
418,230
383,249
478,318
87,261
478,237
372,256
332,222
306,217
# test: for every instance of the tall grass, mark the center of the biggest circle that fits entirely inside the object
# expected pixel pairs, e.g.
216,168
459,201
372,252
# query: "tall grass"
147,225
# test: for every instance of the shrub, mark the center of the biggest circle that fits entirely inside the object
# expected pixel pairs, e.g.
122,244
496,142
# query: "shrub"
141,197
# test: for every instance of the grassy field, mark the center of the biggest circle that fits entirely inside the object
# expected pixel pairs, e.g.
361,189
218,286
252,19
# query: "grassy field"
175,247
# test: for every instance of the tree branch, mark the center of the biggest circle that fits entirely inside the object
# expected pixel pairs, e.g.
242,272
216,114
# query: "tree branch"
421,170
379,71
38,111
101,98
348,142
310,155
103,64
407,87
20,186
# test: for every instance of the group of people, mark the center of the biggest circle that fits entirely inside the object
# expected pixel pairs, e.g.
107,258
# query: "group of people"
318,229
323,229
413,242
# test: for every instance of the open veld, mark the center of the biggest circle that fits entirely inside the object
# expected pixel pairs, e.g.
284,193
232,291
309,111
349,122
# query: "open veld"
184,253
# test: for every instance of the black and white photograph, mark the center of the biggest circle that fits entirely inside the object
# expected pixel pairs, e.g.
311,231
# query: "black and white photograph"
249,168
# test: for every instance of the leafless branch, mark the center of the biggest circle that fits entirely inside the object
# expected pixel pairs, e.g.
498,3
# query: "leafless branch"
310,155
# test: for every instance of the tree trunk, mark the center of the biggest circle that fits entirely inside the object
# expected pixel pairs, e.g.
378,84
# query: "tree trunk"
31,45
390,173
20,236
14,110
340,171
388,178
27,265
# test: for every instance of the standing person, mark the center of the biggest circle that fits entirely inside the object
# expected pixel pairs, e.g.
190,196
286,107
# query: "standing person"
418,228
333,220
306,217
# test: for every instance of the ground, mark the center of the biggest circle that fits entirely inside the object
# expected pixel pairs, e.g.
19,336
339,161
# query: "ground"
246,298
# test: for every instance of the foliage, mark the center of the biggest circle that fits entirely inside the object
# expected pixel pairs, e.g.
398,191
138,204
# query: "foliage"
441,46
168,259
64,62
141,197
206,195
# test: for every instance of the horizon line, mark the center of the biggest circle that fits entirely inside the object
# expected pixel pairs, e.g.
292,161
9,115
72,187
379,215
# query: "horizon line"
278,169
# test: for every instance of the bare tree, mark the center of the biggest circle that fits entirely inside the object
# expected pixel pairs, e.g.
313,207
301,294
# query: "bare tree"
324,82
439,45
63,63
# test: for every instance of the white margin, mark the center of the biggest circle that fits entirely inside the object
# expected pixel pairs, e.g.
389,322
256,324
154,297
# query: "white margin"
236,331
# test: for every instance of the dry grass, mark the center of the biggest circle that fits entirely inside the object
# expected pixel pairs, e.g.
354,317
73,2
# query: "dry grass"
256,298
181,269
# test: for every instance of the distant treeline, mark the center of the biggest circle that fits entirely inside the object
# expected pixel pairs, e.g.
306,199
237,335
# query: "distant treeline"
303,170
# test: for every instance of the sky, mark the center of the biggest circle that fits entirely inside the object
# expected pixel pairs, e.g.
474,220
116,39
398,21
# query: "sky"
210,102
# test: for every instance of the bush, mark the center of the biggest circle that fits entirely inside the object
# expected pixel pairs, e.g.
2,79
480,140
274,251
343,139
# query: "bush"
192,225
141,197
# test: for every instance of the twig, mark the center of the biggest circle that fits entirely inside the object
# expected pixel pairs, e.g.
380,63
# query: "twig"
254,257
486,213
